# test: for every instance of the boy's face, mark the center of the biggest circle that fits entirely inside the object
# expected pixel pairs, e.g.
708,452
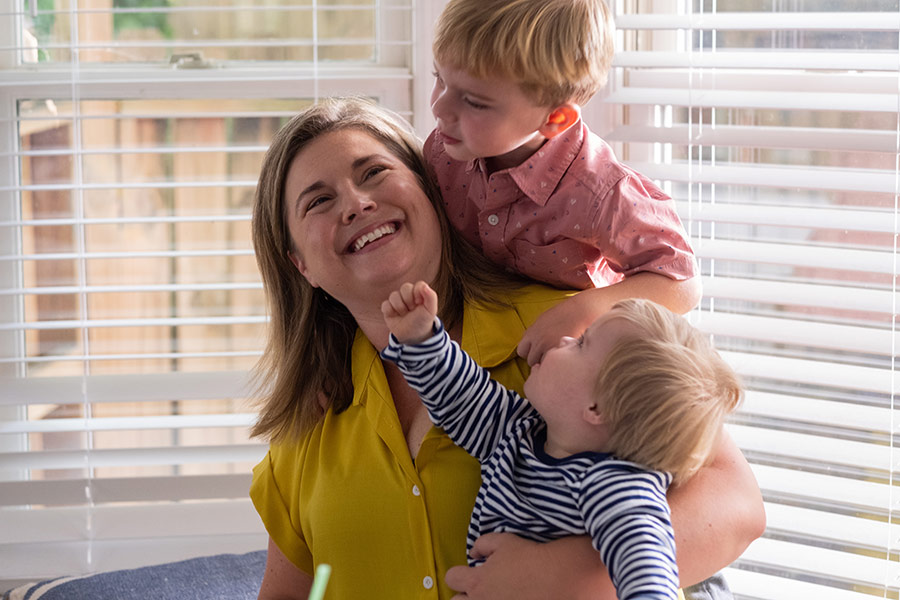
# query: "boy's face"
563,385
489,118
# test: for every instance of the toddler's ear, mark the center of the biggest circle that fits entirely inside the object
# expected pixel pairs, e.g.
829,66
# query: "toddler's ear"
560,118
593,415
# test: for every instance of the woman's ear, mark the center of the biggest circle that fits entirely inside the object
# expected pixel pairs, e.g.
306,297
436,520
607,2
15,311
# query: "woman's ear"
560,118
298,262
592,415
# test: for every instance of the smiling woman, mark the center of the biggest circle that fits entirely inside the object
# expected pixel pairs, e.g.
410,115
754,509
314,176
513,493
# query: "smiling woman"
356,476
357,223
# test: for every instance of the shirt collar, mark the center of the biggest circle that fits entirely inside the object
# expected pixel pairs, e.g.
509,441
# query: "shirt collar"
539,176
490,335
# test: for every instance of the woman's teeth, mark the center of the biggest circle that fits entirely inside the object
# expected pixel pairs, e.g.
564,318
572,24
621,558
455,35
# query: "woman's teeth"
373,235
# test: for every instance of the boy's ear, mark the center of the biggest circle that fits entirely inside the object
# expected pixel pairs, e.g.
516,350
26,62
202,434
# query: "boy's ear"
560,118
592,415
301,266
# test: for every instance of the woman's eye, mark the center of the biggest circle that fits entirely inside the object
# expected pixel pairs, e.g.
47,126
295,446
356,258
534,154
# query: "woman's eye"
316,202
373,171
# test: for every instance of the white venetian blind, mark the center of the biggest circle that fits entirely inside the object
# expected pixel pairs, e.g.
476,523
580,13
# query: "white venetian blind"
131,134
774,125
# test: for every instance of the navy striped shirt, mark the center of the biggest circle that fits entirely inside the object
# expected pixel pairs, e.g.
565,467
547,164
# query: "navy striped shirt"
620,504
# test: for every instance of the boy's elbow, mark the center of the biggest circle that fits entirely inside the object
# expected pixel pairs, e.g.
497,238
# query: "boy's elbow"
754,521
687,294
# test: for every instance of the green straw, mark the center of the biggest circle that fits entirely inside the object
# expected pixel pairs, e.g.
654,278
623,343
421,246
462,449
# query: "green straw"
319,582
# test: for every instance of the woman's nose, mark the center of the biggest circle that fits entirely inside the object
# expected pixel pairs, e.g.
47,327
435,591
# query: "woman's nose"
356,203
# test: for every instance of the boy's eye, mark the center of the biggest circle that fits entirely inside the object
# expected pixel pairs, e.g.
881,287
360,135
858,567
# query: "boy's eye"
476,105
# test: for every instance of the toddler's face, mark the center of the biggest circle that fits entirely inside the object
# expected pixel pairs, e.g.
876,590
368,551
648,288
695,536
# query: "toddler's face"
489,118
562,385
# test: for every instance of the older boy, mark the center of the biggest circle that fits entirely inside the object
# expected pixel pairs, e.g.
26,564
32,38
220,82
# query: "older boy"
524,179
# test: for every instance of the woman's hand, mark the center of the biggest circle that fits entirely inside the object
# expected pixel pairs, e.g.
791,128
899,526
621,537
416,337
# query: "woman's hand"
519,569
409,312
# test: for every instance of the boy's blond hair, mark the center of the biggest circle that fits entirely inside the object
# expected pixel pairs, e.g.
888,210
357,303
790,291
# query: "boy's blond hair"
666,392
558,51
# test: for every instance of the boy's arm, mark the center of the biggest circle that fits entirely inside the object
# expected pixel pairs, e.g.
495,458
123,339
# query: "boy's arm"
573,315
715,514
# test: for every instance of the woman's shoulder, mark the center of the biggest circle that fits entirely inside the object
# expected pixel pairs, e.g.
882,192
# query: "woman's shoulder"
492,333
531,300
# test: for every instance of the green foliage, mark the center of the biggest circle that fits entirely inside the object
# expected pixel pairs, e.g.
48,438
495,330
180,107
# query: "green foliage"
43,22
142,20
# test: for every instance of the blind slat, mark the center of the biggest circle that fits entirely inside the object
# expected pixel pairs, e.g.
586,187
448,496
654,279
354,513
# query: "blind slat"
57,492
160,520
757,99
794,331
121,457
824,138
788,293
767,21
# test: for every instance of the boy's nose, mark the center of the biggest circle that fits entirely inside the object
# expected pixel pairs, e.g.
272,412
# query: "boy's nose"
440,107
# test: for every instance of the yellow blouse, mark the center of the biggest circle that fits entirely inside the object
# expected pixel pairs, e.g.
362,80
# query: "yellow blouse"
350,495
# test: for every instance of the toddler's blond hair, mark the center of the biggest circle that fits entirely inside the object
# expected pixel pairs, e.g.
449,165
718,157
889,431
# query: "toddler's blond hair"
666,392
558,51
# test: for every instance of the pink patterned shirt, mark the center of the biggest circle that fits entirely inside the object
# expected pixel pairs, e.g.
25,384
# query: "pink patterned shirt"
571,215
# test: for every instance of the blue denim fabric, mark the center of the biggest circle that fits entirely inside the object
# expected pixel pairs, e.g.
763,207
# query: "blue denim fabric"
714,588
231,576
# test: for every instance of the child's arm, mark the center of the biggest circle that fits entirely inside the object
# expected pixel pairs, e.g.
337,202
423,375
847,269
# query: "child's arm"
573,315
626,514
474,410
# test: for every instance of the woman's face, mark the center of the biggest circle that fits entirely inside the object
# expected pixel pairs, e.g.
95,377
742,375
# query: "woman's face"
360,223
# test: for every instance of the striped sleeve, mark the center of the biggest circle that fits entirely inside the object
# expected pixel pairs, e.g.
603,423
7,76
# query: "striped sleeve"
627,516
473,409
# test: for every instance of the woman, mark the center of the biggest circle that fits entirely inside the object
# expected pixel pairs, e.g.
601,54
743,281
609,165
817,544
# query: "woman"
356,475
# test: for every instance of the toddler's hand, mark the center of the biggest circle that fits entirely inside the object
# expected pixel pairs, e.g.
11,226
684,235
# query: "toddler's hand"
409,312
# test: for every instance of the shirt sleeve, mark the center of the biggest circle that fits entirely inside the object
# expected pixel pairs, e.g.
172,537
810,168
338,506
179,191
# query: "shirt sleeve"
627,516
636,228
265,492
473,409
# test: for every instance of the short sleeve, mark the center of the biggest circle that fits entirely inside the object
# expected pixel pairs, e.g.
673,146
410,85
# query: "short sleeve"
637,229
274,511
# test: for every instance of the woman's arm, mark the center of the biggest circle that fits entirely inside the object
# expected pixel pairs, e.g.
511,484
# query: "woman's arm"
716,514
282,579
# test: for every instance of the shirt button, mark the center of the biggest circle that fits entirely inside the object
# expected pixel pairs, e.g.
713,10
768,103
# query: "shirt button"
415,490
428,582
493,219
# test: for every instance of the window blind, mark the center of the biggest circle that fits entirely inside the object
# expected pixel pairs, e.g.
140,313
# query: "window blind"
774,125
131,134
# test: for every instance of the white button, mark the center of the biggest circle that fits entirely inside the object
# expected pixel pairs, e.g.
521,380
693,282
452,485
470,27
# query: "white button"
428,582
493,219
416,491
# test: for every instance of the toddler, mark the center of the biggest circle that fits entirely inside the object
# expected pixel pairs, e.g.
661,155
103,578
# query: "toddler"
612,418
527,182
